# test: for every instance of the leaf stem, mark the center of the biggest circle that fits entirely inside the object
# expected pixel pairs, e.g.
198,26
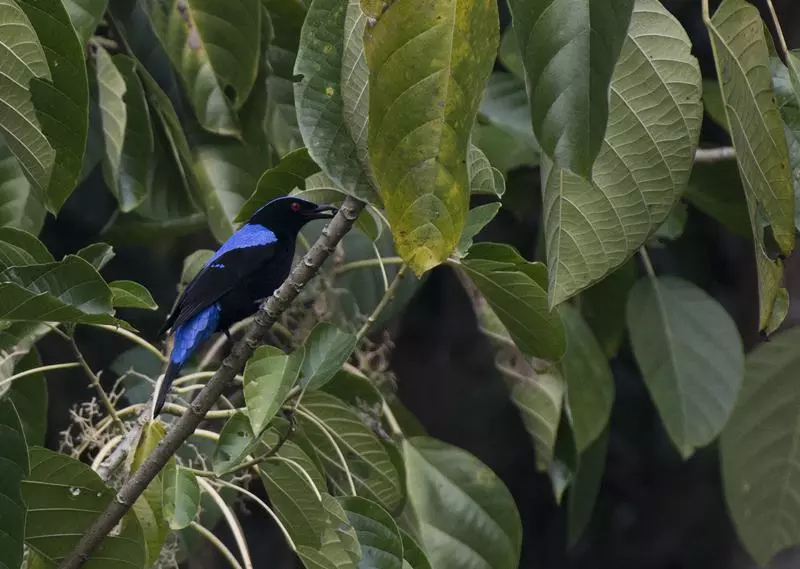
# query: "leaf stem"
781,39
367,263
134,338
40,369
648,265
94,379
713,155
230,518
215,541
387,297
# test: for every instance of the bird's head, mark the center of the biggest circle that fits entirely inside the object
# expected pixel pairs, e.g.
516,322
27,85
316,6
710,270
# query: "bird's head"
291,212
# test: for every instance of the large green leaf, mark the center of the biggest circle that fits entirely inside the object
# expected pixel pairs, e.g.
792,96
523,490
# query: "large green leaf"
327,349
181,496
70,290
236,440
518,299
428,63
742,60
20,207
23,61
332,94
540,400
268,376
62,106
64,497
149,507
467,517
111,88
644,162
569,50
85,15
374,474
378,534
19,248
590,385
13,468
760,462
691,357
29,396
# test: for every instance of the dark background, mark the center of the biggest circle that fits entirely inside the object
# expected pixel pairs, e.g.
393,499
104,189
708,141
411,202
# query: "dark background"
654,510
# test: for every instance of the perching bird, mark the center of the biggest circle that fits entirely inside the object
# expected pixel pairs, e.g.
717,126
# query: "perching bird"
245,270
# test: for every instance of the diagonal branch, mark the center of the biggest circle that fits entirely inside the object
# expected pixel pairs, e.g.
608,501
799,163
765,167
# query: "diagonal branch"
267,314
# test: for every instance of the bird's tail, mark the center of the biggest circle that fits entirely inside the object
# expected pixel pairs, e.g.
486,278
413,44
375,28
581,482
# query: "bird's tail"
173,369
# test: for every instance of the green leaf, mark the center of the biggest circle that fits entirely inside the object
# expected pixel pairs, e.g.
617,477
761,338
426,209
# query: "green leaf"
111,88
477,218
716,190
340,541
20,125
332,95
760,466
298,452
467,516
378,534
236,441
29,396
673,226
131,294
149,507
483,179
644,161
18,247
133,184
590,385
193,264
290,173
586,487
20,207
326,350
374,474
428,63
62,106
505,105
181,496
540,398
66,291
603,307
85,15
61,492
742,60
97,254
268,376
13,468
691,357
569,51
519,301
713,103
504,150
413,556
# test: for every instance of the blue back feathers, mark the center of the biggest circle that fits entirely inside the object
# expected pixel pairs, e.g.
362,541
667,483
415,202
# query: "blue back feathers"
249,235
193,333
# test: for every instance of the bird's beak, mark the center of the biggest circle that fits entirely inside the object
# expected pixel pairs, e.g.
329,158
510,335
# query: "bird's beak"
322,212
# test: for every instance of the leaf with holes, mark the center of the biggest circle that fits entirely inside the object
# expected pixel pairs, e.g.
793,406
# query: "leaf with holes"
268,376
13,468
569,50
428,63
644,162
61,492
691,357
742,60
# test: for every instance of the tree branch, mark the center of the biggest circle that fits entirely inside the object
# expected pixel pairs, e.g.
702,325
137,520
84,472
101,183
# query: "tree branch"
267,314
711,155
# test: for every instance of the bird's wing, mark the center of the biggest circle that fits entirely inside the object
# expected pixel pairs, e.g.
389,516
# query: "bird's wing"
247,250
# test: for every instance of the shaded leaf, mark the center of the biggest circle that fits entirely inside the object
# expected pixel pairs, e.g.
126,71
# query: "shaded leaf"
505,105
29,396
149,506
425,87
326,350
378,534
673,226
319,189
483,179
193,265
540,399
477,218
716,190
268,376
236,440
413,556
467,517
111,88
13,468
644,162
20,207
691,357
586,487
181,496
61,492
130,294
742,61
602,306
85,15
97,254
18,247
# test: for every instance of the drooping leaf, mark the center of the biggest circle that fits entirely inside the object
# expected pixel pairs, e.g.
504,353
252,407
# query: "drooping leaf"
742,61
477,218
18,247
20,207
130,294
540,400
290,173
374,474
691,357
644,162
590,385
181,496
60,493
467,517
602,306
327,349
22,131
149,507
62,105
428,62
85,15
13,468
29,396
585,487
268,376
332,95
759,450
378,534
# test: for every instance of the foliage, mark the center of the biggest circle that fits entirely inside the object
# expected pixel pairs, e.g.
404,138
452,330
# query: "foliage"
195,113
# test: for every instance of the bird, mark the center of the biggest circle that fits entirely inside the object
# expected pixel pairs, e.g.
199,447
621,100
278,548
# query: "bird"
245,270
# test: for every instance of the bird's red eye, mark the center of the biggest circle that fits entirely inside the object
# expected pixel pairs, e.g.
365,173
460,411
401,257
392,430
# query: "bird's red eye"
295,206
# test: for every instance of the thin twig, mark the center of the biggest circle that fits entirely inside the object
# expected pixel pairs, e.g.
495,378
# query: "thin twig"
648,264
230,518
712,155
216,542
387,297
267,315
40,369
133,338
366,263
781,39
94,379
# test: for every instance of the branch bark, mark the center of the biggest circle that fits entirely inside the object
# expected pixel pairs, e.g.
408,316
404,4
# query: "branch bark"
267,314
